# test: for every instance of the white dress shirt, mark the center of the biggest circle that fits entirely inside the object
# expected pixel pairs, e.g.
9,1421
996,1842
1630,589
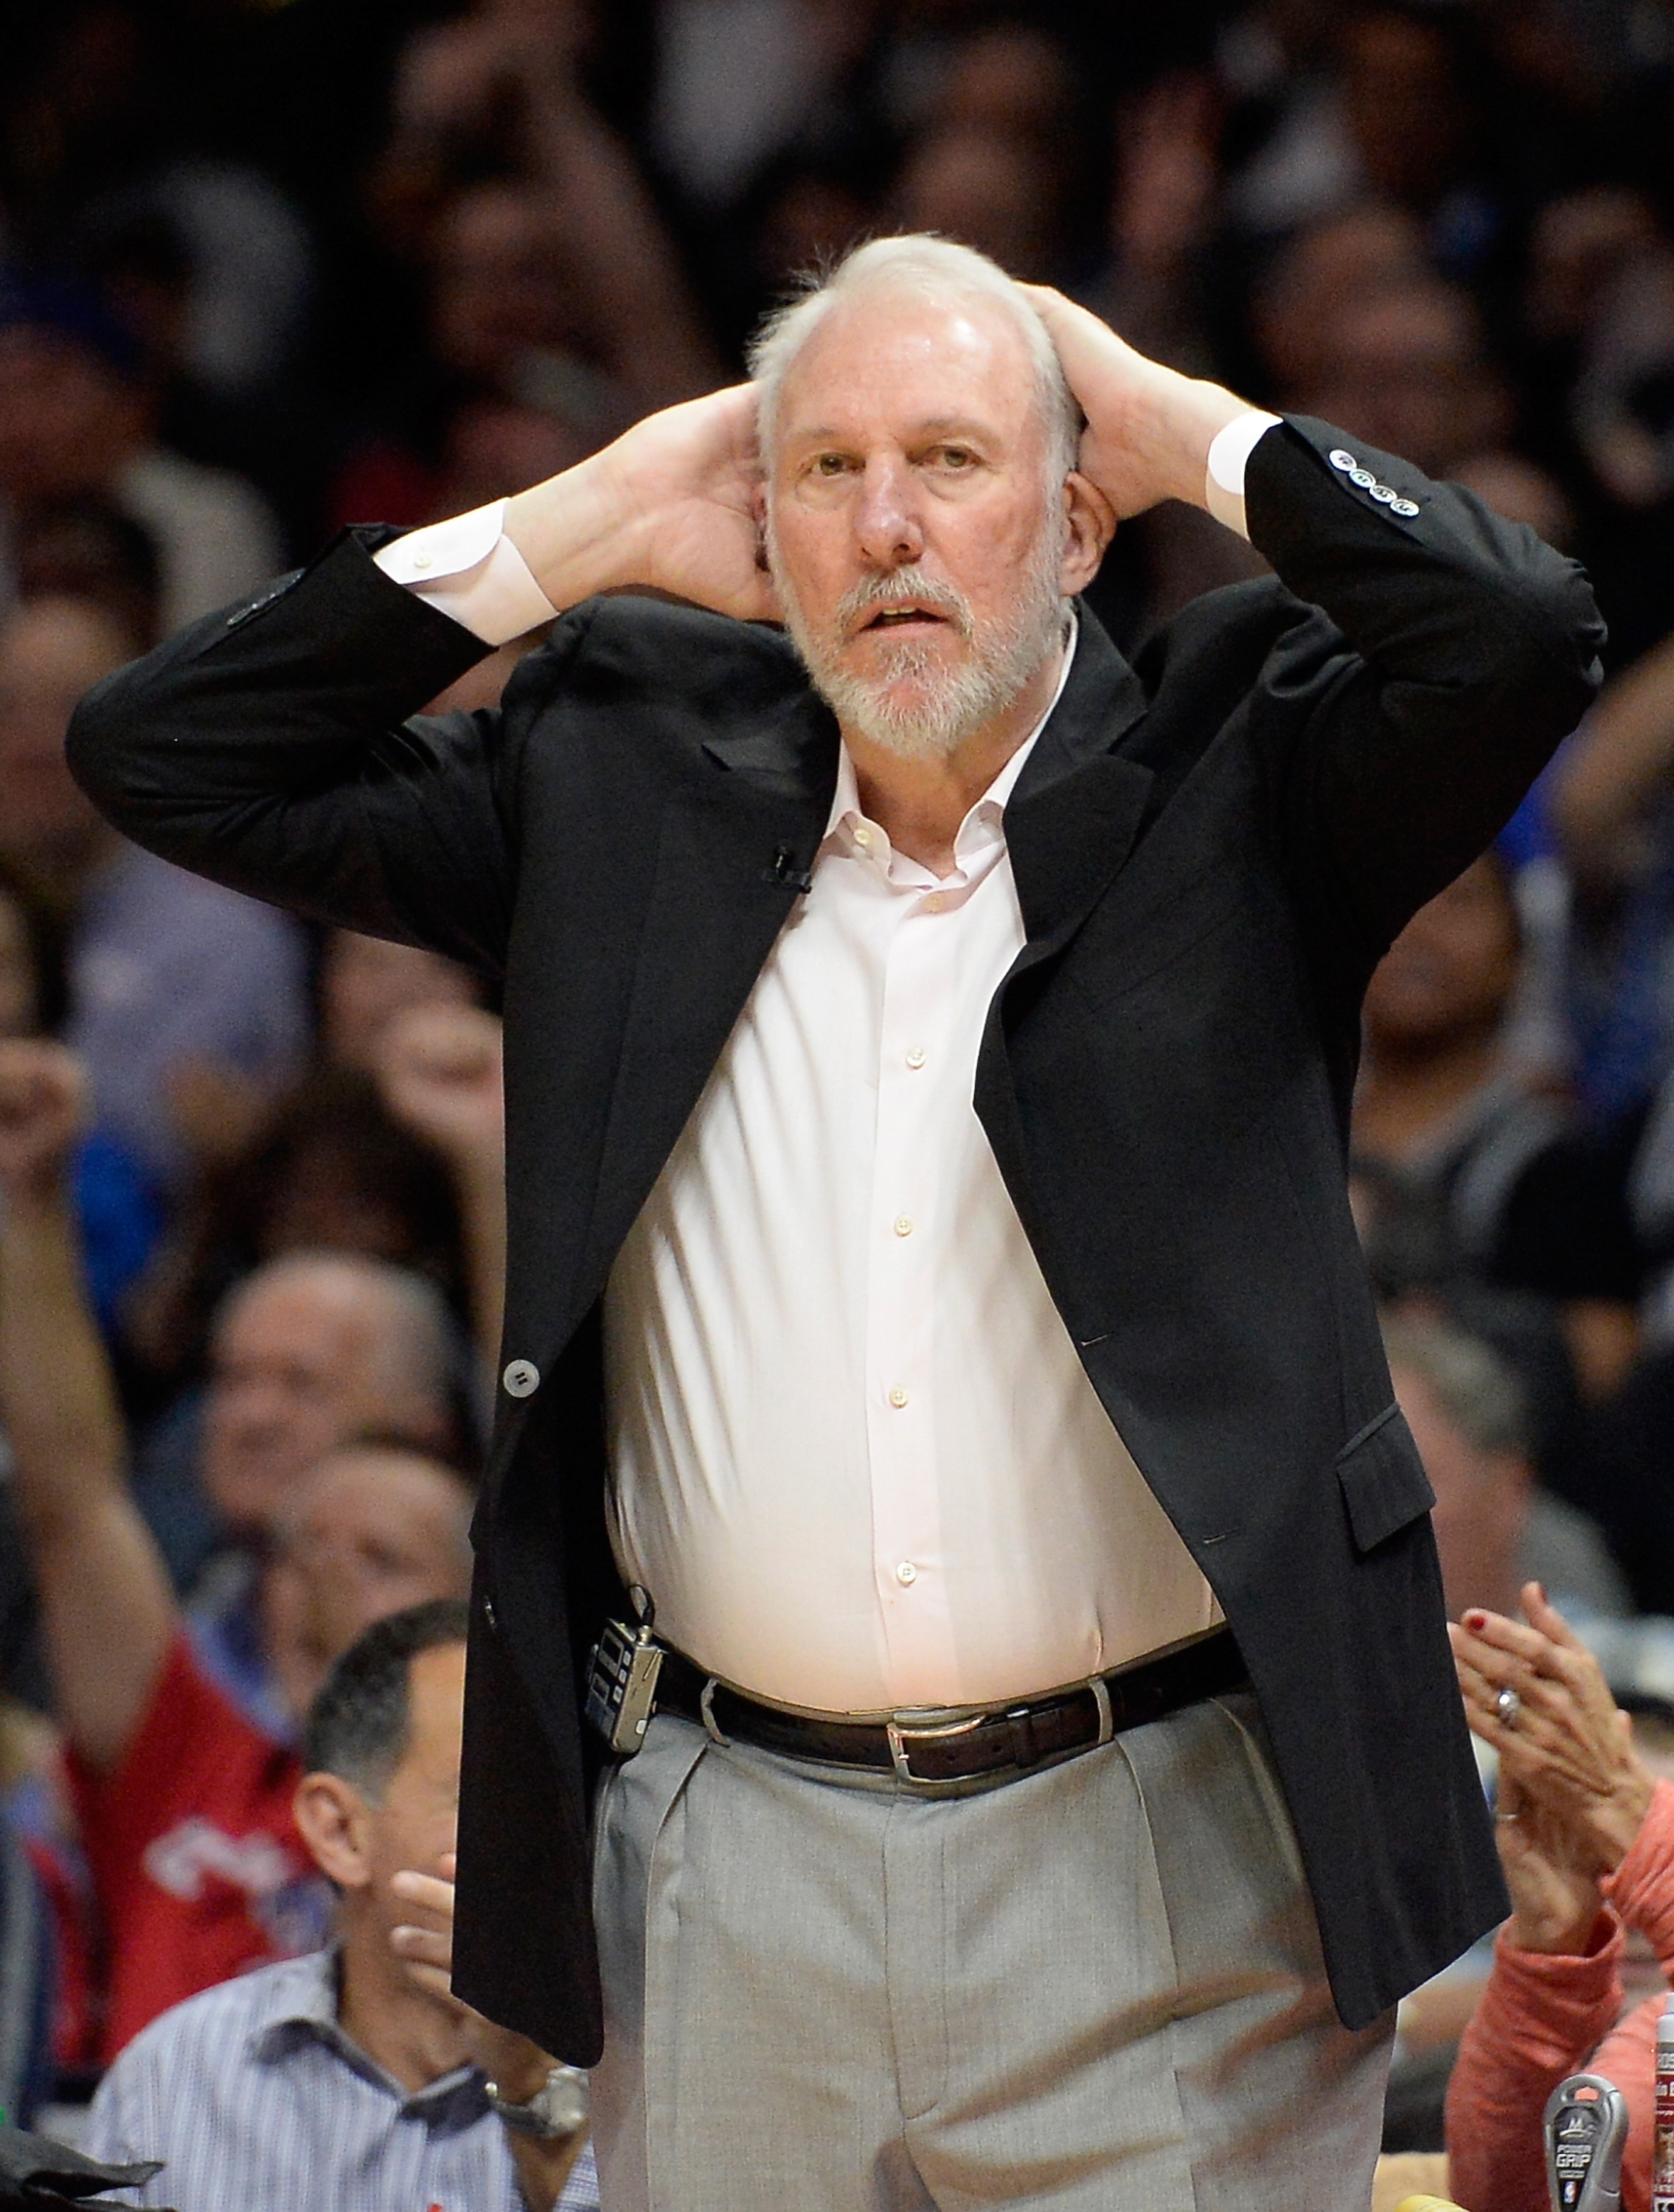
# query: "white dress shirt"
854,1456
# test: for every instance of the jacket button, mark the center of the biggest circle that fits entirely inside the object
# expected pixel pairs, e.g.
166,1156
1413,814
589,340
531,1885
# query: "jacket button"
522,1378
488,1615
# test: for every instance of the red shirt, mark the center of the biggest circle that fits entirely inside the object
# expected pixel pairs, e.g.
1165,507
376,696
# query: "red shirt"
197,1863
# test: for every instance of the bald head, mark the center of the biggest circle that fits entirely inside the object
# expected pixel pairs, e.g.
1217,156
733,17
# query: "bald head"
313,1349
367,1531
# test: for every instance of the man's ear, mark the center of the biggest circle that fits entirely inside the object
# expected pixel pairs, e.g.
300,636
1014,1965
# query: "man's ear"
336,1826
1092,521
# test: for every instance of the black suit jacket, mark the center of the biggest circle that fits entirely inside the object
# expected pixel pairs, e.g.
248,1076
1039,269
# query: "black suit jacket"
1212,849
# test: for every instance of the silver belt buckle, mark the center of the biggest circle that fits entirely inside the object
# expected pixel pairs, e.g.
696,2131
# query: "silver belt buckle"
902,1736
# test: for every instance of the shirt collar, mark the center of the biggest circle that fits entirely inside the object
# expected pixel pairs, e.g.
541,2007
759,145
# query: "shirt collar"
300,2006
846,800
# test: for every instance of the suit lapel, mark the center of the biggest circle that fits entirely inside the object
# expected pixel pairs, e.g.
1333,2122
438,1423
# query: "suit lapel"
733,854
1072,820
734,844
1070,827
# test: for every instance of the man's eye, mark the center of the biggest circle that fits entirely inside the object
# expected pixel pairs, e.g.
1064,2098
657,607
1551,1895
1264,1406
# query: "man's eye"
957,457
829,465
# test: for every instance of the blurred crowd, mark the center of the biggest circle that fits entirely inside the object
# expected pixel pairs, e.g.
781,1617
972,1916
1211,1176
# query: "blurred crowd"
266,269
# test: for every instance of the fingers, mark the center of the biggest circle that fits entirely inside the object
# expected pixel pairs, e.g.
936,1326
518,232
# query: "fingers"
432,1947
429,1892
1547,1719
1498,1643
1547,1620
434,1980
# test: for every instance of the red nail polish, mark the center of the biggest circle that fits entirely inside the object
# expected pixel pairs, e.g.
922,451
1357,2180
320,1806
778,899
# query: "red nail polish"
1475,1620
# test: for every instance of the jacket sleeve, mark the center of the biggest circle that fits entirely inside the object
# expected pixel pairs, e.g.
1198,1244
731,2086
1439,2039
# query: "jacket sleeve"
276,747
1405,723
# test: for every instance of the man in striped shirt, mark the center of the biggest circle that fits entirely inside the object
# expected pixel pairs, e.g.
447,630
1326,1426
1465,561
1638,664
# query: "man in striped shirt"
353,2077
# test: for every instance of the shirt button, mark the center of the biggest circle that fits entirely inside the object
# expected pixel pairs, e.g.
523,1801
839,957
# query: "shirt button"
906,1574
862,834
916,1057
902,1226
421,559
897,1397
934,903
522,1378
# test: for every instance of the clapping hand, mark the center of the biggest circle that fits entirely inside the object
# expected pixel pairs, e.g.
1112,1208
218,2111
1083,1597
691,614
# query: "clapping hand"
1573,1792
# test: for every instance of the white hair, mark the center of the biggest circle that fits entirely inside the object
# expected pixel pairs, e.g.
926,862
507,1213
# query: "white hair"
412,1352
931,269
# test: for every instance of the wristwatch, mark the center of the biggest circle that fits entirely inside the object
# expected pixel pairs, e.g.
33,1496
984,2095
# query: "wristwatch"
556,2110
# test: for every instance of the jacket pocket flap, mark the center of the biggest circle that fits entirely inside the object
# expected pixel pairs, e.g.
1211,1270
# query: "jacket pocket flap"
1384,1483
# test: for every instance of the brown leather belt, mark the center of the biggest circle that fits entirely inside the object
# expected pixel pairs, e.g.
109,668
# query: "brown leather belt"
929,1747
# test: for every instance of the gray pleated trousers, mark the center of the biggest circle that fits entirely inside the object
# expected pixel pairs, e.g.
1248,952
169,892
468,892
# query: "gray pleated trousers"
1099,1986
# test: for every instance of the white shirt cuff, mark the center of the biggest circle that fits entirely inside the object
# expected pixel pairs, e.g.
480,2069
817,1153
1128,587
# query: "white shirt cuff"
1229,451
467,569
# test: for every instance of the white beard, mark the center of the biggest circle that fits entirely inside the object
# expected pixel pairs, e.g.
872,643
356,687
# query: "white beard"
953,704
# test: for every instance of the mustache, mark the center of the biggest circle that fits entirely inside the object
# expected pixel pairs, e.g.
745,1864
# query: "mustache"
903,584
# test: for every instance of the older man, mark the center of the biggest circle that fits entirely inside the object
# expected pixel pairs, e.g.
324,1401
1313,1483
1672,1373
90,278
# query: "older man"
929,1043
183,1798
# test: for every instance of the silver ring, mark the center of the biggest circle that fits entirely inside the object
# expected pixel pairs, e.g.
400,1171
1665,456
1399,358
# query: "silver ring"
1507,1706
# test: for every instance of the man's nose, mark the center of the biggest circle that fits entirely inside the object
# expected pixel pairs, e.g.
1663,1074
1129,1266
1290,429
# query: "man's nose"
888,523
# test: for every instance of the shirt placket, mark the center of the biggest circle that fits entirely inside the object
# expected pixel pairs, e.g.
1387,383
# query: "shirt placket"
903,1237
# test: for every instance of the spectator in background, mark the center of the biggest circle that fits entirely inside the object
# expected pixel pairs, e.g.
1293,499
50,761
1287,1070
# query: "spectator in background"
1437,1099
394,1148
1613,809
1494,1528
353,2076
310,1351
1586,1832
88,549
1473,1193
366,981
167,975
555,296
184,1803
77,419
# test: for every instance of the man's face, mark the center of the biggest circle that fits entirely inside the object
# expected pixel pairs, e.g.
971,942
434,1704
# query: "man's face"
51,651
1450,972
415,1819
300,1362
912,539
367,1533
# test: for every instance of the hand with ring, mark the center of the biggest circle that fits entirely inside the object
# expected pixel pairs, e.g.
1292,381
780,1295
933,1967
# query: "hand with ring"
1573,1789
